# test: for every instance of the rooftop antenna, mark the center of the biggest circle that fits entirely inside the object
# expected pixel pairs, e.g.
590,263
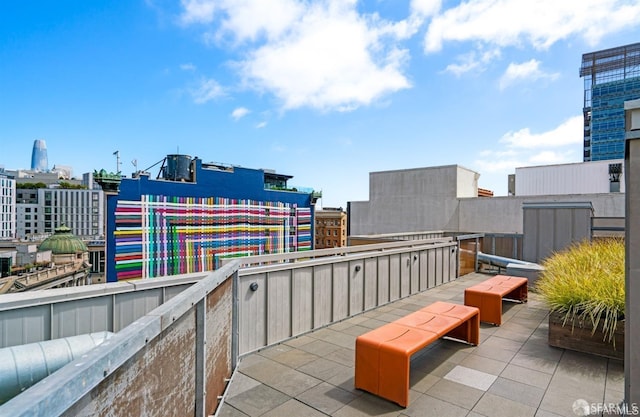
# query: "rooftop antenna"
117,154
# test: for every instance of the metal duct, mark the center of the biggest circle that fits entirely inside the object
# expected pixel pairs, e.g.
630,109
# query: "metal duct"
24,365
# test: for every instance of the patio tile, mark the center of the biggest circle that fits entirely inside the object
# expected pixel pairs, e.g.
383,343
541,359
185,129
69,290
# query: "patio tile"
319,347
294,358
517,391
342,356
480,363
535,363
496,406
228,411
471,377
322,368
326,398
456,392
241,383
369,405
258,400
293,408
428,406
526,376
282,378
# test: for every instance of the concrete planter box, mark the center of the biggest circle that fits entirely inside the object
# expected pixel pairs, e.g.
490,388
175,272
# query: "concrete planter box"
579,337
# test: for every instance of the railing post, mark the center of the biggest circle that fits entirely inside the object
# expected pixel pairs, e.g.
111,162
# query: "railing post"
201,366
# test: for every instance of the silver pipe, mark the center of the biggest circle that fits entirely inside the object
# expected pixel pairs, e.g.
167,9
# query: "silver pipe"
24,365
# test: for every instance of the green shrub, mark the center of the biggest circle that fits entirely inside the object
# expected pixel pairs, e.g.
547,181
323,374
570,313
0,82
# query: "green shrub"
586,282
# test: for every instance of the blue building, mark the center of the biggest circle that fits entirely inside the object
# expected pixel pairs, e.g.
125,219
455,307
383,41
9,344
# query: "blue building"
39,160
194,214
611,77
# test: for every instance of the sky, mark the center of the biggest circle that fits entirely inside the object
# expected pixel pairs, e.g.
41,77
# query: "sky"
326,91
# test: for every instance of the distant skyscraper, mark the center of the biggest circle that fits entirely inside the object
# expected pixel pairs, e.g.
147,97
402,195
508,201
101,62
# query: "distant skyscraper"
39,161
611,77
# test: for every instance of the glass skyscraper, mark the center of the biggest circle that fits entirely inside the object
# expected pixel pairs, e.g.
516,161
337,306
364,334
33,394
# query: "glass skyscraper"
39,161
611,77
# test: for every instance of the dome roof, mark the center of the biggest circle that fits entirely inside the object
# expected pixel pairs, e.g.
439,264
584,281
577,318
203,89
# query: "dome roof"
63,242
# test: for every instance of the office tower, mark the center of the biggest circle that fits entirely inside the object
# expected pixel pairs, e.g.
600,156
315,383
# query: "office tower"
39,160
611,77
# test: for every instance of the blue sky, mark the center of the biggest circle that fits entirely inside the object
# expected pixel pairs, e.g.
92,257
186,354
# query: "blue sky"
326,91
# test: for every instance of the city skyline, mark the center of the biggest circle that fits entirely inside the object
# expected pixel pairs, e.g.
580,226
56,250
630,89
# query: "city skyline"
324,91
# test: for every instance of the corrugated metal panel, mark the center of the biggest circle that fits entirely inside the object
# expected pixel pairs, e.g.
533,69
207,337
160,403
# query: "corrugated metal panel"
552,227
252,311
340,290
82,316
370,283
281,288
579,178
25,325
356,287
300,304
394,277
322,296
405,274
383,279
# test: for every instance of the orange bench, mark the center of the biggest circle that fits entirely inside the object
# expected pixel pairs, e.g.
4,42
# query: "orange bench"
383,355
488,295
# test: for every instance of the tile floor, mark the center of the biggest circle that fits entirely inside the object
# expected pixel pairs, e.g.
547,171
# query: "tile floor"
512,372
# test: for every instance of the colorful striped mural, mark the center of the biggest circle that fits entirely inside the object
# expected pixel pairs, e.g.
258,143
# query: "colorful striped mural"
160,235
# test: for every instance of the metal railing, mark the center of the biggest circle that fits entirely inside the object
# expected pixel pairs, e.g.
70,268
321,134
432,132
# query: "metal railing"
178,340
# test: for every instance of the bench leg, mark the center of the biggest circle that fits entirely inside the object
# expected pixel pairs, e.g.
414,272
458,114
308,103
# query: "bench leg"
490,305
367,360
394,374
469,331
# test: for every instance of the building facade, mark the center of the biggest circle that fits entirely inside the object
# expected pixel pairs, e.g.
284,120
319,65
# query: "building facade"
611,77
41,210
7,206
330,228
199,213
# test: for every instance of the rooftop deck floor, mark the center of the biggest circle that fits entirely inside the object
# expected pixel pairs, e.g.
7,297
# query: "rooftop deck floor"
512,372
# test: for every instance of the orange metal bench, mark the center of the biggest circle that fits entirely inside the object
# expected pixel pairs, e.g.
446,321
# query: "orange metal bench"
488,295
383,355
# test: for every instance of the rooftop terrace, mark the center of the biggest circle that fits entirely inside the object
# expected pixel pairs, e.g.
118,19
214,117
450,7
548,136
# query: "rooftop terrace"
513,372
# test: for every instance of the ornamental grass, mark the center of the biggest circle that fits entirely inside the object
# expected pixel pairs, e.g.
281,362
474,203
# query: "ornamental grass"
586,283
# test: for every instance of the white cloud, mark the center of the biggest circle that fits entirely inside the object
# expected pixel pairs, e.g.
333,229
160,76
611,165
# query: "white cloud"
523,148
539,23
261,125
239,113
197,11
188,67
425,8
321,54
473,61
207,90
569,132
527,71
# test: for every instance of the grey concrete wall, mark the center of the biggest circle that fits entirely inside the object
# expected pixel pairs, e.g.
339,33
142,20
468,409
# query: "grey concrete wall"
504,214
428,199
408,200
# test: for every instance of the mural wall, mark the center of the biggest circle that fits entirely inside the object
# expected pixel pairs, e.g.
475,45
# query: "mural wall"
162,235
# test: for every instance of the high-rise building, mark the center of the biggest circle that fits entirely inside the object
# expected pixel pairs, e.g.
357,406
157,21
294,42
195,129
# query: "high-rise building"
40,211
39,161
611,77
7,206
